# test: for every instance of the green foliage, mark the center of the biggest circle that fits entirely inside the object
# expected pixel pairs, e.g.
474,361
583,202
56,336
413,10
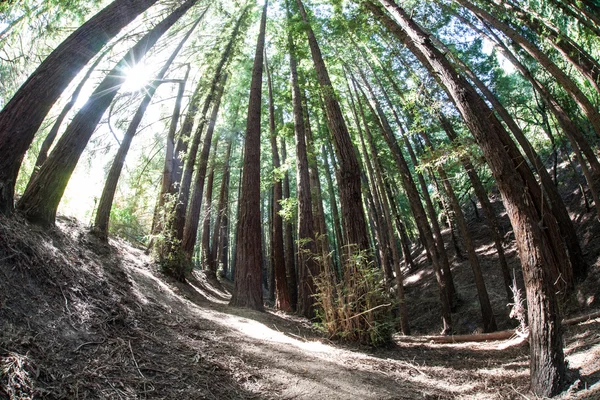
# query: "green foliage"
125,224
358,308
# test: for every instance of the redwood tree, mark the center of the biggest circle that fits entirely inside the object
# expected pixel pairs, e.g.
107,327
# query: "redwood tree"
38,94
247,290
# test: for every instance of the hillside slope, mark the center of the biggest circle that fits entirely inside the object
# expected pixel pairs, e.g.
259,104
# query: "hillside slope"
81,319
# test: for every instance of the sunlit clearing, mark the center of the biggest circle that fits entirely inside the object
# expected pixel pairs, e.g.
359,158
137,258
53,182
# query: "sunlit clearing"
256,330
138,77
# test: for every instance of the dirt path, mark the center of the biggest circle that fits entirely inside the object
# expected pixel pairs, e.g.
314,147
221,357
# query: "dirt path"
83,320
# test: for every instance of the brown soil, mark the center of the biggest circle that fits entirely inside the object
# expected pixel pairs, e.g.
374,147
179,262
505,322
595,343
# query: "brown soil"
80,319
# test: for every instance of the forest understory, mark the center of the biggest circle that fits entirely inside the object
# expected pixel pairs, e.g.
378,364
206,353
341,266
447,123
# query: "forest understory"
82,319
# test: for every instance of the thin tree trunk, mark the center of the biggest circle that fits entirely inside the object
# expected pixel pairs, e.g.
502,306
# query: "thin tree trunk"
380,225
580,59
247,290
110,187
337,224
170,157
547,364
208,261
308,268
40,201
486,206
353,218
282,298
192,218
288,239
182,216
489,321
217,242
421,220
23,115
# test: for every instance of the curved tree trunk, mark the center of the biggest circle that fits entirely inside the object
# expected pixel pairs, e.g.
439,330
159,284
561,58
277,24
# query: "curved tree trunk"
21,118
247,290
192,218
547,358
40,201
486,206
580,59
110,187
49,140
561,77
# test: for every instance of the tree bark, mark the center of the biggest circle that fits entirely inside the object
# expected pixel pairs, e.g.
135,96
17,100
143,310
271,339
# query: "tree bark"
288,239
353,218
247,290
208,262
308,267
21,118
169,165
40,201
489,321
218,231
547,364
486,206
282,296
192,218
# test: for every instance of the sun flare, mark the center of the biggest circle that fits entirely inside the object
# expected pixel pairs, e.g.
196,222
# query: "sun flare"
137,77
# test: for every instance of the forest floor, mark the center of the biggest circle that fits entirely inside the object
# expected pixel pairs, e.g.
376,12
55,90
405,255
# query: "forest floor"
80,319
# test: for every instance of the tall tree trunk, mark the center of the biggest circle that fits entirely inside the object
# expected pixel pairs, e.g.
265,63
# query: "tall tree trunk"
353,218
558,207
247,290
288,239
337,224
308,267
21,118
437,232
381,228
547,364
486,206
385,205
421,220
192,218
182,216
282,296
40,201
208,262
49,140
489,321
445,272
561,77
168,166
218,231
110,187
580,59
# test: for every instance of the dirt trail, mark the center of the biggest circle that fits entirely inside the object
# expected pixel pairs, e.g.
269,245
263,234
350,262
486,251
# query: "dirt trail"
80,319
